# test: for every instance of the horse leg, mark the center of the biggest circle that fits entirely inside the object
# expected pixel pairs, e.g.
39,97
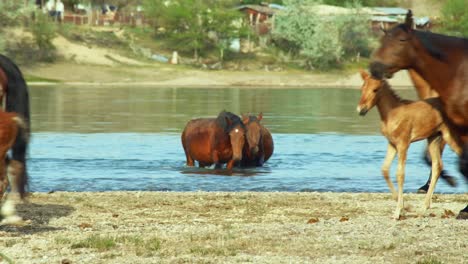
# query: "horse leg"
15,170
434,150
464,170
391,151
402,152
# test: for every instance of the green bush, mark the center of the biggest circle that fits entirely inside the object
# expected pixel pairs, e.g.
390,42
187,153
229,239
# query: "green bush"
323,41
43,31
455,17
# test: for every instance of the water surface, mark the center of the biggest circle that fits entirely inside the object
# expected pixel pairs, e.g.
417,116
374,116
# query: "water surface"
128,138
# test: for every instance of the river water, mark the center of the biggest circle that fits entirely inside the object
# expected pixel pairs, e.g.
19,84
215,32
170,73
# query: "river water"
128,138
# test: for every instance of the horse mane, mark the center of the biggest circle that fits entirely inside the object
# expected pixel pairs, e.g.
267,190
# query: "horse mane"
387,86
222,122
431,40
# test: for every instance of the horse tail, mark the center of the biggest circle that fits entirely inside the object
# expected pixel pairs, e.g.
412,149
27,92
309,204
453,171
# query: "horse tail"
17,100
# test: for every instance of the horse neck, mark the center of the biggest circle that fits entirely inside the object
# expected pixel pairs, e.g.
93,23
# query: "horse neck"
387,100
439,73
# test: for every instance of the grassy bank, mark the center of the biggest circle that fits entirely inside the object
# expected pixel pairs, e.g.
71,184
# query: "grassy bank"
159,227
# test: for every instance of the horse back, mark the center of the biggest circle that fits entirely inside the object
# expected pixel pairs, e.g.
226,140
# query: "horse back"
203,136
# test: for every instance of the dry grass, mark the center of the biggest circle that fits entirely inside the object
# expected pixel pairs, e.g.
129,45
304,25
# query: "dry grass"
158,227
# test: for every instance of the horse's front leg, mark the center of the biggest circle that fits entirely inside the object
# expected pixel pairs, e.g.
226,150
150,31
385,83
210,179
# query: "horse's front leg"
391,151
402,152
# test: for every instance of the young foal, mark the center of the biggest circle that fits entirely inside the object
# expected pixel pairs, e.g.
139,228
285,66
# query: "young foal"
11,127
404,122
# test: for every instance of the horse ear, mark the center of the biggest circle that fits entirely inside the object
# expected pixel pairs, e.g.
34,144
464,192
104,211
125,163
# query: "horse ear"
245,119
409,20
364,74
260,116
383,28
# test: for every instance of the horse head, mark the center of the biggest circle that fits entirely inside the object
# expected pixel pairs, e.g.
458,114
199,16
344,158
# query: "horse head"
236,131
254,133
369,93
397,50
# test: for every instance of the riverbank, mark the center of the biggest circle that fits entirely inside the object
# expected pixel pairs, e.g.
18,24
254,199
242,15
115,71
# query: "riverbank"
162,75
200,227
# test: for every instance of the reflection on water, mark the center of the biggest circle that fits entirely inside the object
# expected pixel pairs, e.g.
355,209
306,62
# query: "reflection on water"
96,139
94,109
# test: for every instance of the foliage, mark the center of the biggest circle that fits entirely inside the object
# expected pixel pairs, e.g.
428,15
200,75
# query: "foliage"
257,2
388,3
455,17
195,25
43,31
14,12
323,41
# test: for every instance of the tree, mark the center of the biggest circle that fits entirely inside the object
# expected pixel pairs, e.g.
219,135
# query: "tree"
324,41
195,25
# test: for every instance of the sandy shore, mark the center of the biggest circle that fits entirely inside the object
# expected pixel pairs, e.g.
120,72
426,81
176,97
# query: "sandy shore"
156,75
160,227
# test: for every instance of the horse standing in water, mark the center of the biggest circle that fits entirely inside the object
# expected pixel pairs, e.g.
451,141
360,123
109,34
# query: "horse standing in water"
259,146
404,122
214,140
442,61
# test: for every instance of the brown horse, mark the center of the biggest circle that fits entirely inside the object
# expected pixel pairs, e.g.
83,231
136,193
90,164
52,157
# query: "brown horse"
259,146
14,97
424,91
214,140
404,122
442,61
11,127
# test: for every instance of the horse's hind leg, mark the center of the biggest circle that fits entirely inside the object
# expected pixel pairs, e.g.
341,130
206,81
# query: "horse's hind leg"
434,150
402,152
391,151
15,170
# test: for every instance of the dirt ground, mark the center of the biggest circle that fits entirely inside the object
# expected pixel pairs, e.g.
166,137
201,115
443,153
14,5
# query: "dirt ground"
200,227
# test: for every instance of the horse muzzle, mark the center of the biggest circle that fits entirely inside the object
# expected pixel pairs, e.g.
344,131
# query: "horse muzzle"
380,71
254,150
362,110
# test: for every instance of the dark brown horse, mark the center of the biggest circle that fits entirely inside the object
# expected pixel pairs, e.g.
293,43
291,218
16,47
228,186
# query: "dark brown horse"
259,146
214,140
11,128
15,91
442,61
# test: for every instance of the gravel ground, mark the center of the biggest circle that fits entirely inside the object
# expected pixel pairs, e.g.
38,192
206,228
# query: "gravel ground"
201,227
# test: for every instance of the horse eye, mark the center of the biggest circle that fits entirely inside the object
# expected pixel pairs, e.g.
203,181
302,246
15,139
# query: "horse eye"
375,90
403,40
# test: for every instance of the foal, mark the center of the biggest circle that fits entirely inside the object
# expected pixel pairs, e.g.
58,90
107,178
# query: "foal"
11,127
404,122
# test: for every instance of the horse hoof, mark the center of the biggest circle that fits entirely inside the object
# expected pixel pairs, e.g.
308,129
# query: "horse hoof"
462,215
422,190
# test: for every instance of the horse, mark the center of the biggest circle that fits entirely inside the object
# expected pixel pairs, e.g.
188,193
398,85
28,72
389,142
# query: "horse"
11,128
404,122
214,140
442,61
14,91
259,146
424,91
